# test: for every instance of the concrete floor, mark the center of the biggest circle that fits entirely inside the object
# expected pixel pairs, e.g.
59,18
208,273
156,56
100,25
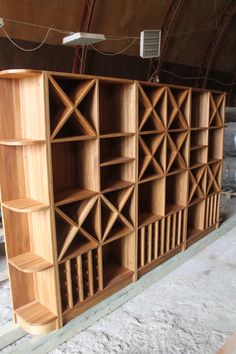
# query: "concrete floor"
192,310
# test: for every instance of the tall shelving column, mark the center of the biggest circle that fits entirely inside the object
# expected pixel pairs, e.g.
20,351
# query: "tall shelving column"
26,203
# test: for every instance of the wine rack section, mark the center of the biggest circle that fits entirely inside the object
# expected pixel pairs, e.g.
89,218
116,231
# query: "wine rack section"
102,180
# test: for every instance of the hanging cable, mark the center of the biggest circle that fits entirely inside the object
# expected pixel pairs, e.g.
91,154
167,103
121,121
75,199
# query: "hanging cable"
113,54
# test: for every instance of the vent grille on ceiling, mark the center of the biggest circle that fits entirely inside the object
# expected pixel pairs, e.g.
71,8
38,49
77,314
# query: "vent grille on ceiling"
81,38
150,43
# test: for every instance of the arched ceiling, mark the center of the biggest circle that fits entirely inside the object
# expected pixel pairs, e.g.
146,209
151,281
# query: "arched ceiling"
187,43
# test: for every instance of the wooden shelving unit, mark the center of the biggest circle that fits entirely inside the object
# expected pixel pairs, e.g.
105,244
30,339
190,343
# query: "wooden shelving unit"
102,180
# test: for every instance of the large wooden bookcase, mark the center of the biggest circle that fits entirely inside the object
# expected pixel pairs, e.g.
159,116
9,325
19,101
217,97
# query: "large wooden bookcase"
102,179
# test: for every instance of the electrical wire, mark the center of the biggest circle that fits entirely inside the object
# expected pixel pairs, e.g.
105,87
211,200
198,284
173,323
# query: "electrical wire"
113,54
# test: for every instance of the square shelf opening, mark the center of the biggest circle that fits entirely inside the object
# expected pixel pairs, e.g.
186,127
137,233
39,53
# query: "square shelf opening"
217,109
151,201
117,113
197,184
22,115
117,176
215,149
177,151
200,109
198,157
75,170
117,150
176,192
118,262
196,219
178,108
198,139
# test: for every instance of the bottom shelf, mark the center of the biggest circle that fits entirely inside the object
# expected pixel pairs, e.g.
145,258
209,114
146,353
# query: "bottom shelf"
36,318
193,232
114,274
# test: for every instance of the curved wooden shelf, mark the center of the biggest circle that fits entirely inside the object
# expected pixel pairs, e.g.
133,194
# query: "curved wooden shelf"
24,205
36,318
20,142
30,262
18,73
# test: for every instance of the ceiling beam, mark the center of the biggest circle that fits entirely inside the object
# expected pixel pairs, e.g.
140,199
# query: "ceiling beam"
166,28
215,40
81,51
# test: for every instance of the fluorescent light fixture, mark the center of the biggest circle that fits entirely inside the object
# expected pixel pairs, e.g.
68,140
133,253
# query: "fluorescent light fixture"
150,43
81,38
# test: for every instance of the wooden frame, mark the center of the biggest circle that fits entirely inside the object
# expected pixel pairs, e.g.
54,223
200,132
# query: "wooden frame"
103,180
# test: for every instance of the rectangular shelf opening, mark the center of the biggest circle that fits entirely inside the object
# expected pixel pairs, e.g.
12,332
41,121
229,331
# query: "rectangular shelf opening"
117,113
75,170
196,219
176,192
215,149
117,150
198,139
198,157
151,201
117,176
200,109
117,260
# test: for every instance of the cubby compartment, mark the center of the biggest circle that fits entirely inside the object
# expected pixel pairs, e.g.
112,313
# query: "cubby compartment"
117,150
200,109
151,201
22,114
215,148
176,192
80,279
177,151
196,219
198,139
152,108
117,214
75,171
116,111
152,156
217,109
214,171
212,210
118,261
198,157
117,176
197,184
178,108
25,168
72,108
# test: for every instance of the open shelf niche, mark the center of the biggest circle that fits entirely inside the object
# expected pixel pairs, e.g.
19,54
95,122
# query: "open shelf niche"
214,172
200,109
117,150
215,148
197,184
151,201
152,156
177,151
116,108
176,192
196,220
72,108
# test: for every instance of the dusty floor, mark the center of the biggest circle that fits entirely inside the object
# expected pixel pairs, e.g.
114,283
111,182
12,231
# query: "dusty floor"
192,310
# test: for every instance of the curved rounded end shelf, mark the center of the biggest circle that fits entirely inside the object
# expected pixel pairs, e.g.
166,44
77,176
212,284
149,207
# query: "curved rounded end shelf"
18,73
24,205
35,318
20,142
30,262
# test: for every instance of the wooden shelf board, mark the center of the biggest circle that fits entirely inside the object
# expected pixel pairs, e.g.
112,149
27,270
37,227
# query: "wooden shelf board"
114,274
34,313
76,251
72,195
198,147
114,135
155,131
216,126
29,262
196,201
197,164
20,142
113,185
179,170
73,138
24,205
193,232
148,218
115,161
173,208
116,235
198,128
211,161
151,178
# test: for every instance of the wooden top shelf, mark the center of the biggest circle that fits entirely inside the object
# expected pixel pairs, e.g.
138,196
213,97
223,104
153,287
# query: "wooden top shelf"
35,314
72,195
198,147
113,185
115,161
29,263
24,205
20,142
